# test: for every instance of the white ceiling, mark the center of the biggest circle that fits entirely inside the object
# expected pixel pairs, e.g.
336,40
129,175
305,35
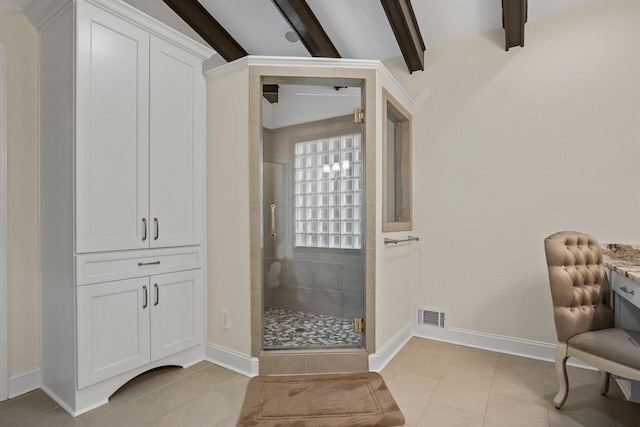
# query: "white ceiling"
307,103
256,24
358,28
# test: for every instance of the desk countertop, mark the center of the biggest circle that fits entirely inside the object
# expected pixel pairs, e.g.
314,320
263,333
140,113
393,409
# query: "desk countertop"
623,259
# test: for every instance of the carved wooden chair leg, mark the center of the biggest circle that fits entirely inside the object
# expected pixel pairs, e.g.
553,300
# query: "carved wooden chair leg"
563,379
604,382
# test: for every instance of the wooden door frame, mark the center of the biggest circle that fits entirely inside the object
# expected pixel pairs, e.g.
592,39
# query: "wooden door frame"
4,229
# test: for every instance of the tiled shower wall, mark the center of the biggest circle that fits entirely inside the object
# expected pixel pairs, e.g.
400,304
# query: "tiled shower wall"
316,280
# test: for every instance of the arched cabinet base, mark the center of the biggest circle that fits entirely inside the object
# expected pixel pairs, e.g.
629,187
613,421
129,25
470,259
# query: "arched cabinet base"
99,394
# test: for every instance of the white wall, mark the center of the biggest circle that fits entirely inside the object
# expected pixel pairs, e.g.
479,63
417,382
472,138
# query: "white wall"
397,266
22,43
510,147
228,210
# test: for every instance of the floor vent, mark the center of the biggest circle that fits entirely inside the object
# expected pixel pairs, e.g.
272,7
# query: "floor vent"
429,317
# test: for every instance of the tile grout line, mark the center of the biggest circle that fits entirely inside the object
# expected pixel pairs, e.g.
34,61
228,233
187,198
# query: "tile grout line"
27,418
458,347
493,374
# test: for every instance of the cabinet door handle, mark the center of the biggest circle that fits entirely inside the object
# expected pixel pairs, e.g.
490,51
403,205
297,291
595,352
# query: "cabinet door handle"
144,229
140,264
157,294
626,291
146,297
155,221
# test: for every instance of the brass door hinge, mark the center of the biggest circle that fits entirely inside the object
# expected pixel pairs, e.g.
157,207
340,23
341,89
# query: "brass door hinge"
358,325
358,115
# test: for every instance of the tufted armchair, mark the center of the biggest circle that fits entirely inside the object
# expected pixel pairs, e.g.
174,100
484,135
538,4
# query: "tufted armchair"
582,312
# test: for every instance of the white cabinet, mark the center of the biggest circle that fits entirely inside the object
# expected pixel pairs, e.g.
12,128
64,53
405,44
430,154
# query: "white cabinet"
112,132
113,329
625,297
140,137
126,324
175,313
177,146
122,198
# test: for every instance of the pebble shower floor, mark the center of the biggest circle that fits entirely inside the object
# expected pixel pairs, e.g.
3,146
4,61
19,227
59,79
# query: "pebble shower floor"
287,329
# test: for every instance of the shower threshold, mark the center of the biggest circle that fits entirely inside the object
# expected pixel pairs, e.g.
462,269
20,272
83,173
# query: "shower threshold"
285,330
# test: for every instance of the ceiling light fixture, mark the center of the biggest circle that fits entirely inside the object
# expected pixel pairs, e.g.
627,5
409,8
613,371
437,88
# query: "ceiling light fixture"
291,35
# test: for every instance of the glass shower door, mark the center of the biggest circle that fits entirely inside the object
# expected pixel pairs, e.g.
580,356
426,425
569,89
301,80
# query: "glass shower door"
313,219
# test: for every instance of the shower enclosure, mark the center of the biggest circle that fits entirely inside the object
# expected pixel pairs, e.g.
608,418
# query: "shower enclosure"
313,214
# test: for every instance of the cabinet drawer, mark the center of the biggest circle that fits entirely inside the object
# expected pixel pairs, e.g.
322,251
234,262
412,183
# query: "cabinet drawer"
626,288
104,267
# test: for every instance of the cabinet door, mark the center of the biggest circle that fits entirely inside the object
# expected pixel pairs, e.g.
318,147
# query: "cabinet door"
112,132
177,146
176,312
113,329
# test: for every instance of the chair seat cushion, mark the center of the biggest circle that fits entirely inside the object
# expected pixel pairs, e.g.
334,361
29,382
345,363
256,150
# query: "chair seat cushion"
614,344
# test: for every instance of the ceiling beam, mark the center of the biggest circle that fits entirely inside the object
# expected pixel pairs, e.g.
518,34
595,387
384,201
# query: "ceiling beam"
304,22
270,93
514,16
405,28
198,18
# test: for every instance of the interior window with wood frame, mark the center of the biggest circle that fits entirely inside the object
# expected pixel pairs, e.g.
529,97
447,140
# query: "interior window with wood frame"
396,165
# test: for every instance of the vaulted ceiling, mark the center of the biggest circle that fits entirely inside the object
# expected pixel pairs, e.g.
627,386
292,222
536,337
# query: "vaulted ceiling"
357,28
360,29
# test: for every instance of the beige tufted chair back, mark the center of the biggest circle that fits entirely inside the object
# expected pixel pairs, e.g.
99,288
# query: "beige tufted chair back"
579,286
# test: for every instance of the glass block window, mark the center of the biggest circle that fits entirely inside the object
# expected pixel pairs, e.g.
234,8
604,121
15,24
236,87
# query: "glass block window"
328,192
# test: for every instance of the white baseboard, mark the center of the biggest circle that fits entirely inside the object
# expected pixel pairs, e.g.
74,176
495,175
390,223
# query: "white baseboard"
61,402
501,344
379,359
24,382
232,360
630,389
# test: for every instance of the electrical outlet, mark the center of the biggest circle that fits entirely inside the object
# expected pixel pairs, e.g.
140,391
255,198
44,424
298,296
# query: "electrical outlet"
226,320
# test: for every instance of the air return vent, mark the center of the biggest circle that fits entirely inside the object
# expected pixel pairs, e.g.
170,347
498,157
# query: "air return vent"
430,317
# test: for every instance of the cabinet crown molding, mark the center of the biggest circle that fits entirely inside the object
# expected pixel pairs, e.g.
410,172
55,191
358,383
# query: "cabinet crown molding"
41,12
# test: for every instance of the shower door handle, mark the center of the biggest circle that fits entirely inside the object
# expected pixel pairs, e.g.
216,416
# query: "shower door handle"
273,221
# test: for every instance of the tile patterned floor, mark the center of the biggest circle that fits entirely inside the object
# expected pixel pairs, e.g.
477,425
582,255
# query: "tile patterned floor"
290,329
435,384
